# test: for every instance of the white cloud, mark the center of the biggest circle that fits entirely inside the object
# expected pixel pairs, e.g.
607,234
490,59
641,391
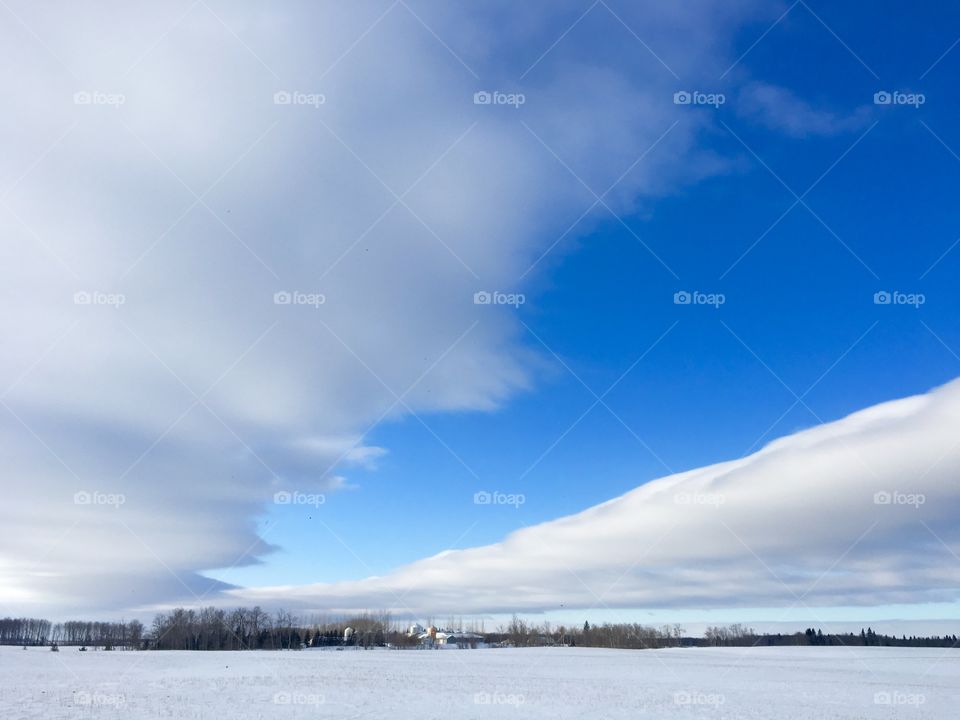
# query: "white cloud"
347,449
196,199
860,511
780,109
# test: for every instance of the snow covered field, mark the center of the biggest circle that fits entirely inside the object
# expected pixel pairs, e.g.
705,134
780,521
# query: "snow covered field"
815,683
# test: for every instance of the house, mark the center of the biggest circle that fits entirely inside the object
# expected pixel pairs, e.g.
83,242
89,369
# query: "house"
459,639
416,630
440,639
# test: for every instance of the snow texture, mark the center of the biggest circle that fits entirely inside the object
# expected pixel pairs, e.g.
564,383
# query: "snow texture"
744,683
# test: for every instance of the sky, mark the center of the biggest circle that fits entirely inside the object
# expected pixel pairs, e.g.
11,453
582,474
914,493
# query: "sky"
609,310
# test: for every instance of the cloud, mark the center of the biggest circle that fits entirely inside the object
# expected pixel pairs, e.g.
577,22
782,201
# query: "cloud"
861,511
208,287
780,109
348,450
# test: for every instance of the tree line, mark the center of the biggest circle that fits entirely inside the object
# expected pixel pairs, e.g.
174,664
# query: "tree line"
519,633
35,631
869,638
254,628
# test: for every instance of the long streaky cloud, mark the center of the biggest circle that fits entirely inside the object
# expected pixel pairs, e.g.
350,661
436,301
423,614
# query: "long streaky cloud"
860,511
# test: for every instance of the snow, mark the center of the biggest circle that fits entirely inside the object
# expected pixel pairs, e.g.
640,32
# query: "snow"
798,683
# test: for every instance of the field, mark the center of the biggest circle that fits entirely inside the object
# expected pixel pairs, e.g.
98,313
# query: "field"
795,683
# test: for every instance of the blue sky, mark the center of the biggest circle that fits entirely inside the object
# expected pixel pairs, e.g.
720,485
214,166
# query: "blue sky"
797,200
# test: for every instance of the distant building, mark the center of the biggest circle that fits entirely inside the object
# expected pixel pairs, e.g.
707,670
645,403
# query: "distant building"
432,637
415,629
460,639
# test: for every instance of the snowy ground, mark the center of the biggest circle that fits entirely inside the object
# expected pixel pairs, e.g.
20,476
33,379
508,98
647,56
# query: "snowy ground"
795,683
